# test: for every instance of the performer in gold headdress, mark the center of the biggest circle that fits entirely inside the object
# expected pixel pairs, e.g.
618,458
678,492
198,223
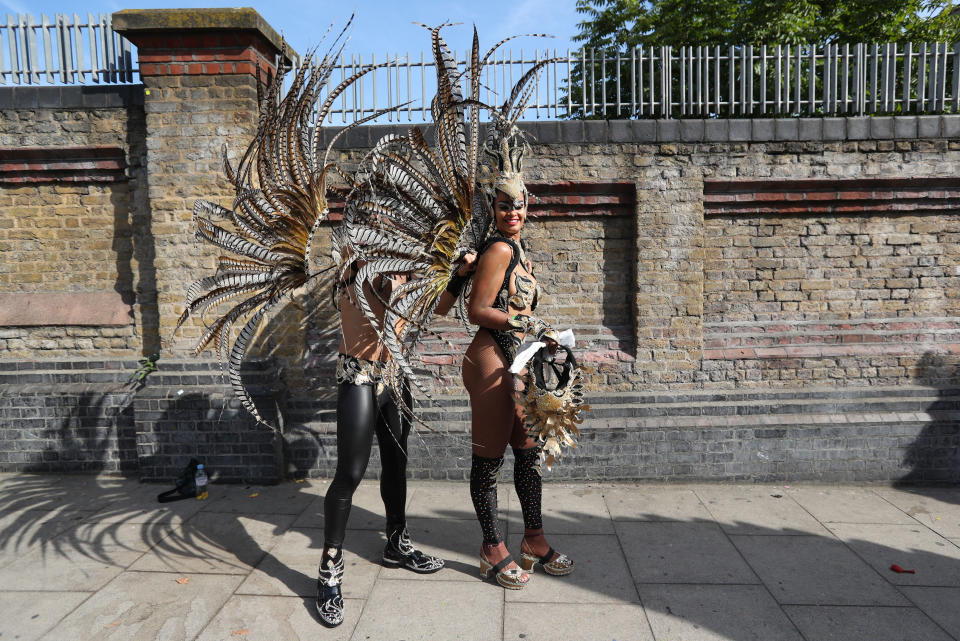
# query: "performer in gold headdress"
504,296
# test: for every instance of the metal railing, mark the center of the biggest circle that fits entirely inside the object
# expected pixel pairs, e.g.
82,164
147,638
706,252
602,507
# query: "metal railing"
63,50
703,82
644,82
804,80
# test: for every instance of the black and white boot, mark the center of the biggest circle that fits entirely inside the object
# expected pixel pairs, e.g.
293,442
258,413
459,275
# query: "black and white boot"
399,552
329,599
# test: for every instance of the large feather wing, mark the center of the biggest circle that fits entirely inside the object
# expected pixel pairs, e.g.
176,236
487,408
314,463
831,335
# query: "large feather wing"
281,197
417,207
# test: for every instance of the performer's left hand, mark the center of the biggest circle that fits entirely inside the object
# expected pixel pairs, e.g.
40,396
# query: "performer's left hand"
468,263
551,344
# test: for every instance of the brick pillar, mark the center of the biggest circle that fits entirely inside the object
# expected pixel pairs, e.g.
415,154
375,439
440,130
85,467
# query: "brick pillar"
669,294
199,69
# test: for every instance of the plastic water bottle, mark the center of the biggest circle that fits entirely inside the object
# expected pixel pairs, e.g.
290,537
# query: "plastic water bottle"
201,480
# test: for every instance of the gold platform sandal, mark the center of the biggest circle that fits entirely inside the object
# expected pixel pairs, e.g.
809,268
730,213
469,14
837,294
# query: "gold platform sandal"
560,566
510,579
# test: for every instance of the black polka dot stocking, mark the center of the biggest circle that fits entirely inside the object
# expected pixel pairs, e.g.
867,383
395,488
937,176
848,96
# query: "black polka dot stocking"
483,491
529,485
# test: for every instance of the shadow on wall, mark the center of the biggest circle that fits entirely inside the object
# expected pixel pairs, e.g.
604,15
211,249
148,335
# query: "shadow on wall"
619,289
212,425
934,457
133,240
94,432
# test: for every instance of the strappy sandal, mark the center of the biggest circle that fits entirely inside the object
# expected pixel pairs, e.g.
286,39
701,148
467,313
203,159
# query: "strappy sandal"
510,579
560,566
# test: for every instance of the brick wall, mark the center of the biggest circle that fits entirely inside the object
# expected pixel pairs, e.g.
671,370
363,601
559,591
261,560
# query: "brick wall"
740,288
71,182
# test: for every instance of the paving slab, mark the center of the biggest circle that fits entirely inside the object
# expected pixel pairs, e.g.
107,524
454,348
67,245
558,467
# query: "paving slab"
568,509
600,575
27,615
462,611
66,567
366,512
216,543
23,531
290,568
451,500
813,570
147,606
936,508
758,510
655,503
940,604
715,613
285,498
552,621
834,623
91,535
147,509
317,486
274,618
847,505
17,496
934,559
69,493
679,552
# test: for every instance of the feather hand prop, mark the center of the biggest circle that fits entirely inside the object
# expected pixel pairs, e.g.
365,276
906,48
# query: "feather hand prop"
552,416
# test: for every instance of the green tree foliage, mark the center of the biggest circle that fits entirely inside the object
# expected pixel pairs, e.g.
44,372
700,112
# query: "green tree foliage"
621,24
617,26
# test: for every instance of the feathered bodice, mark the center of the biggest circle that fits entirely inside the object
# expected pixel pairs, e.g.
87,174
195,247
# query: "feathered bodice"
526,289
524,299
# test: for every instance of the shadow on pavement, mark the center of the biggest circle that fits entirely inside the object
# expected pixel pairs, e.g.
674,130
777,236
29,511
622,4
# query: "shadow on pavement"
717,565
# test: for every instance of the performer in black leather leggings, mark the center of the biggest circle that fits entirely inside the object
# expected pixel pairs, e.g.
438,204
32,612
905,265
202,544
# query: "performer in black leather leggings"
367,407
363,410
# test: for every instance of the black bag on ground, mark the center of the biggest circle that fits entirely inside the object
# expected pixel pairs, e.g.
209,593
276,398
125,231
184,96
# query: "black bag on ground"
186,485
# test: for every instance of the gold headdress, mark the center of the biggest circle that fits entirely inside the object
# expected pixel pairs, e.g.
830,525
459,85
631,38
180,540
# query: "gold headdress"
504,170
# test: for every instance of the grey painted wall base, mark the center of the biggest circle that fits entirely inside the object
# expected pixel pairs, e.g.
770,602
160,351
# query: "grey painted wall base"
71,97
73,417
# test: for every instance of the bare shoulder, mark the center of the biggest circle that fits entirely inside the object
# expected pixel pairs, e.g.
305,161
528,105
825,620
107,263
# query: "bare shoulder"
498,252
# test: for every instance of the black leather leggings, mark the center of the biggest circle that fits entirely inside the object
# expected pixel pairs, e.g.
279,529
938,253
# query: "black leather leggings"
361,412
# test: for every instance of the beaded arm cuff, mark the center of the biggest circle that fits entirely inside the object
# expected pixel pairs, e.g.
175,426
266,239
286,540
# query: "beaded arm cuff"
532,325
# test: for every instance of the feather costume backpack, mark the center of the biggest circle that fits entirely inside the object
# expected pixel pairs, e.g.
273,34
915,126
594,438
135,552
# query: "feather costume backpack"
281,198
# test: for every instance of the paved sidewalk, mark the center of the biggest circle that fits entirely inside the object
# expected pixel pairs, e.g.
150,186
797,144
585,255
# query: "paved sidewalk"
98,558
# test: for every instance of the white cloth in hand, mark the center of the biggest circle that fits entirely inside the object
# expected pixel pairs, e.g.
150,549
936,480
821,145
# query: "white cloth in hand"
528,349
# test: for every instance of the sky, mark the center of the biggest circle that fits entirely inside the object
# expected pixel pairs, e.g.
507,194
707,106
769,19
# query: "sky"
380,26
